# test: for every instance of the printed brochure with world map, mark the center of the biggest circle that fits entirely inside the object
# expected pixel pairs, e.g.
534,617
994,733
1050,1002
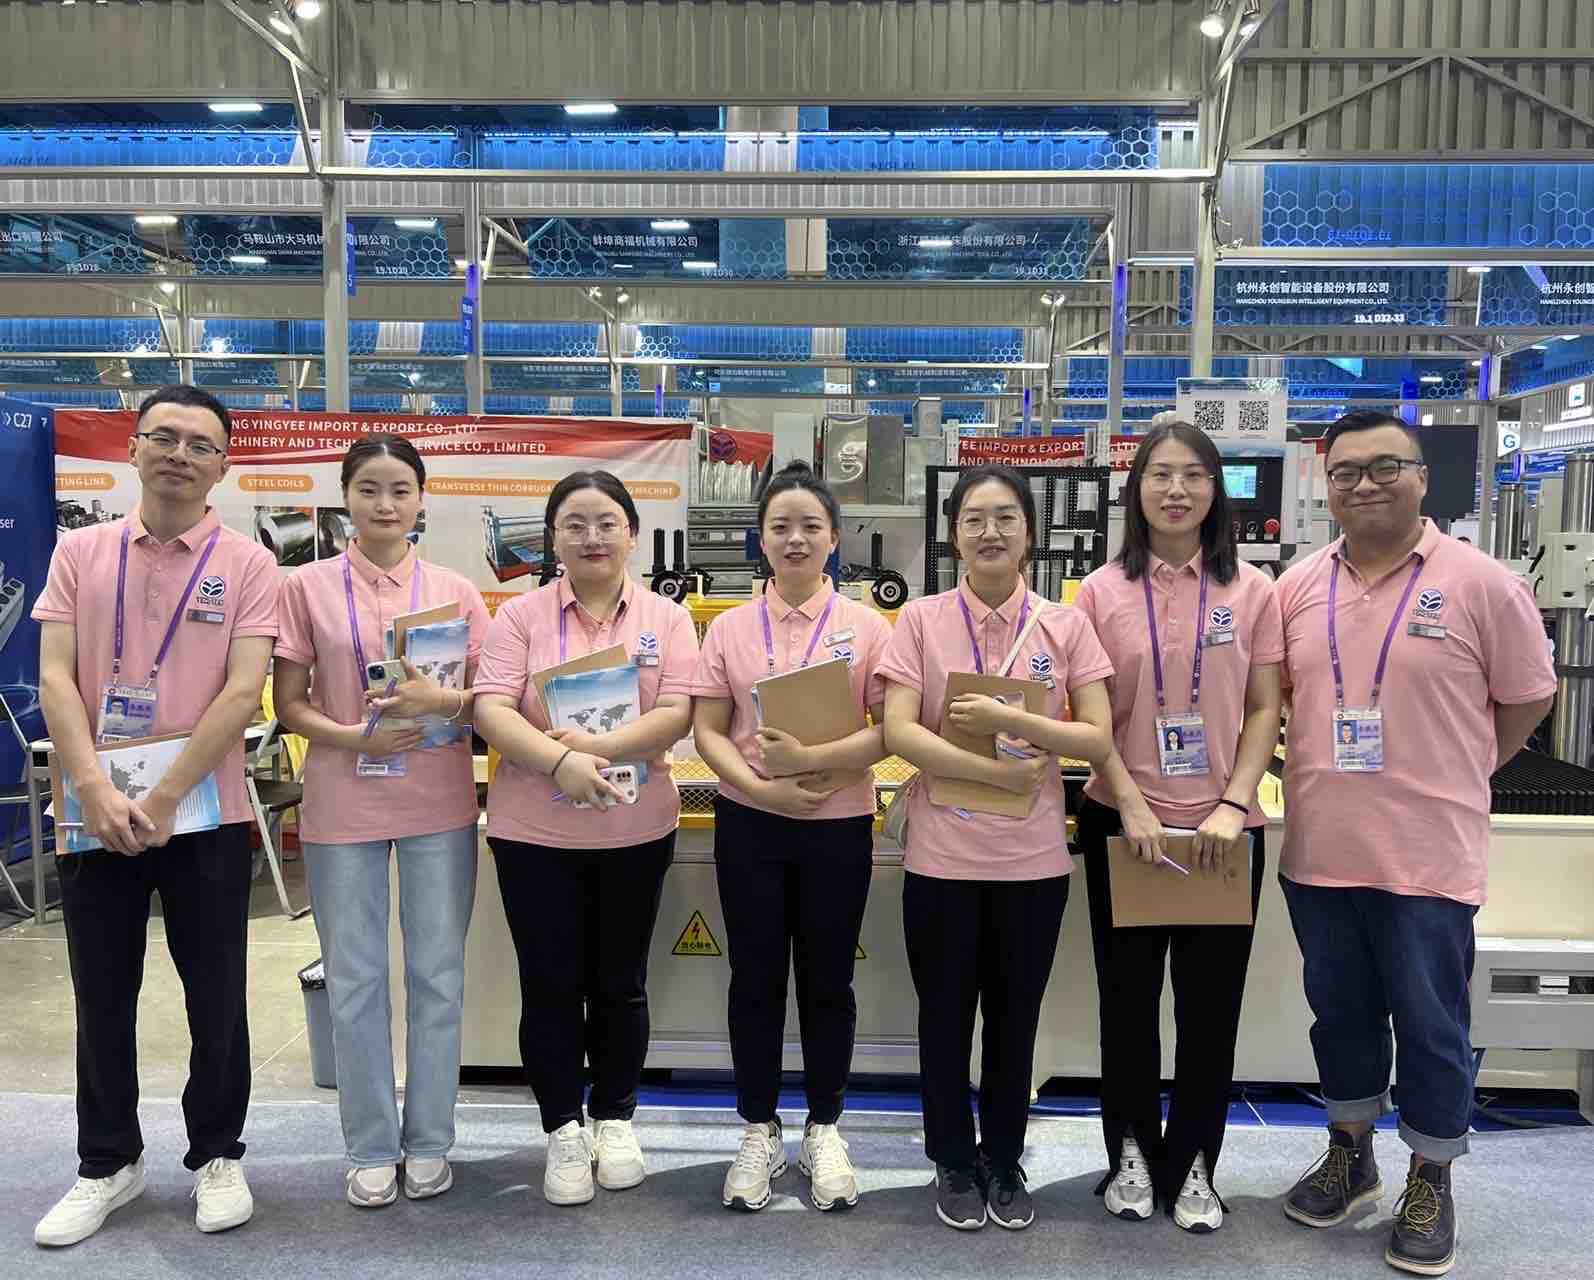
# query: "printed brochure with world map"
438,650
598,702
134,768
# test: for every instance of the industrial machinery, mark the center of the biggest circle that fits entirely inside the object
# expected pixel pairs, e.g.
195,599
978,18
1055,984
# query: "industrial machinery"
1256,498
1070,542
515,545
717,539
70,514
11,605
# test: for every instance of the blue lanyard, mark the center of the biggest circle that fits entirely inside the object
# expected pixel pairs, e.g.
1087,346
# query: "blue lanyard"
1156,649
1389,635
968,621
769,638
171,627
354,618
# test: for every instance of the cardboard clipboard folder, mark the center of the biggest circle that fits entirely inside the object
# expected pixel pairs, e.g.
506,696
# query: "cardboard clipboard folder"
1152,893
977,797
815,705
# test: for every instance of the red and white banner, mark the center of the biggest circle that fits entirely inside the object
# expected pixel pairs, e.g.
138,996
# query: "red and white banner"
486,481
1041,451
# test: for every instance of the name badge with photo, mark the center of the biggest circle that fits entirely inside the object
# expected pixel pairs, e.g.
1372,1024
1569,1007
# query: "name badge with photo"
1359,740
1182,745
126,711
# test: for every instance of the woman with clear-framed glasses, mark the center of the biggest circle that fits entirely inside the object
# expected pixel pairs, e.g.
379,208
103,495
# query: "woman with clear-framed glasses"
581,860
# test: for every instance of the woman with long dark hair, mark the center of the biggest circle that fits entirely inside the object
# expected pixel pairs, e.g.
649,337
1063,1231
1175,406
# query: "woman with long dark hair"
580,868
371,789
1195,641
983,895
793,847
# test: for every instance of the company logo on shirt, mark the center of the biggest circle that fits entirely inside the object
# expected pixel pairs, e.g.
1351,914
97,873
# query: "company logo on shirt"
845,653
1222,618
1040,665
647,642
1431,600
213,590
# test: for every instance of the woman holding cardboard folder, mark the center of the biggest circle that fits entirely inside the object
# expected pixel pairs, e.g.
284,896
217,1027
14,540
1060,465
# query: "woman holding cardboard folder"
1195,641
580,859
793,829
986,861
371,781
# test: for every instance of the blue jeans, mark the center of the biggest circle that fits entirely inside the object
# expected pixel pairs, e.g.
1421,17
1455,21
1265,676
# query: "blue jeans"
437,889
1372,956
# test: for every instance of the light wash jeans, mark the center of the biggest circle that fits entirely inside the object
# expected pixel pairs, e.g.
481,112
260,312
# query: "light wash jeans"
437,889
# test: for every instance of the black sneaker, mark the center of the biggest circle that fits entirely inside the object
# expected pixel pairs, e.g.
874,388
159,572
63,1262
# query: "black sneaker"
958,1201
1424,1240
1346,1176
1006,1196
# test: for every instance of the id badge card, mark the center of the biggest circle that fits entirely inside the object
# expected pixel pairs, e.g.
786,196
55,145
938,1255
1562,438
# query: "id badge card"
1182,745
1359,740
126,711
379,766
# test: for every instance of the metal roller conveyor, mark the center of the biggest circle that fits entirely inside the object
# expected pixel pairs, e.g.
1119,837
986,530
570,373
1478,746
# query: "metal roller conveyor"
513,544
289,535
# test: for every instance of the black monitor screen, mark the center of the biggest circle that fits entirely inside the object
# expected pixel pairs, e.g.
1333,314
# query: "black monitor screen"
1452,456
1239,481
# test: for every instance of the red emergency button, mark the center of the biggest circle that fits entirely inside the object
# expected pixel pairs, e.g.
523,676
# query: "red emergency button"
1271,528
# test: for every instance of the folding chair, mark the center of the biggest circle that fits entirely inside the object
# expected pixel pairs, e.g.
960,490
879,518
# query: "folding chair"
30,793
271,796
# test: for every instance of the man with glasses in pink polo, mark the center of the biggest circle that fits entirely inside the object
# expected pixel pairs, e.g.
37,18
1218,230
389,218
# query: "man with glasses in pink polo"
158,623
1414,667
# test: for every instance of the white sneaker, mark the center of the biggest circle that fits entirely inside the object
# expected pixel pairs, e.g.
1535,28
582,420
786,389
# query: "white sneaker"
761,1156
823,1159
1197,1208
223,1195
427,1176
568,1179
371,1188
619,1155
83,1210
1129,1194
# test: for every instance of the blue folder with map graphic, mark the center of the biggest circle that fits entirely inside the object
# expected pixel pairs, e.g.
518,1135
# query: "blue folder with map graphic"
438,650
598,702
134,768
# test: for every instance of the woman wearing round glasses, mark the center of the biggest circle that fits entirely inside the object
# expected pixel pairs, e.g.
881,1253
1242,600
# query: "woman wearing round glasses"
1195,642
984,892
581,858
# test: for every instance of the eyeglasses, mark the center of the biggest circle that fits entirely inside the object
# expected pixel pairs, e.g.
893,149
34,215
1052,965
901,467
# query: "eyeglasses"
1347,475
164,442
577,530
1007,523
1162,478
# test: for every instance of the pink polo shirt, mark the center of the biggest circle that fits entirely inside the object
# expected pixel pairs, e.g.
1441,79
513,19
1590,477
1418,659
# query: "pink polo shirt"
240,583
523,640
929,642
734,659
438,792
1245,610
1421,826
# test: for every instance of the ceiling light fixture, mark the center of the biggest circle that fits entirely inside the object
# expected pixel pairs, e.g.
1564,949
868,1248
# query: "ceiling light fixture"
670,224
416,224
461,263
694,264
1569,337
235,108
218,346
1479,271
590,108
936,242
156,220
1477,364
307,10
1432,377
168,287
1212,25
621,266
246,260
1540,346
622,296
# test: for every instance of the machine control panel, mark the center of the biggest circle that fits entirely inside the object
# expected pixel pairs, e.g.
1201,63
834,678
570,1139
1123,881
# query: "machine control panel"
1256,494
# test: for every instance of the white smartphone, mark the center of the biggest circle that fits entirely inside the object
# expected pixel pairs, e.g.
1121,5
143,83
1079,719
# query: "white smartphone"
623,778
378,676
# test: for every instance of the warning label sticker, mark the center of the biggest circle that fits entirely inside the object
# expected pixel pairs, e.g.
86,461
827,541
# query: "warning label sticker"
695,939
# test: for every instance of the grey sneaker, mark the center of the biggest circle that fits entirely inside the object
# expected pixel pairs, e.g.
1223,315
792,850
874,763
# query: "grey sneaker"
1424,1239
1346,1176
959,1201
427,1176
1130,1195
371,1188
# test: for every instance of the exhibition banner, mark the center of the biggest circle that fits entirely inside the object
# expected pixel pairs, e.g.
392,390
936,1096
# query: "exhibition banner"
27,539
1042,451
487,482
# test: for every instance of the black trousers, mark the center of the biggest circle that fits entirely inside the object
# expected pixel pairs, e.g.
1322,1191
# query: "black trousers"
793,892
1208,964
582,922
988,943
203,881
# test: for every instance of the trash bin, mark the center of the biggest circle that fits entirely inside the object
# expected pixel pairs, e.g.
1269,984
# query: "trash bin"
318,1018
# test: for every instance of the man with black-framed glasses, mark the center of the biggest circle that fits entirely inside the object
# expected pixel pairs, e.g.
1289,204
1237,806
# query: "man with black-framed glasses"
1414,667
159,623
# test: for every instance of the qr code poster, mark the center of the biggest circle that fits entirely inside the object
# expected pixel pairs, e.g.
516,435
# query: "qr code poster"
1236,410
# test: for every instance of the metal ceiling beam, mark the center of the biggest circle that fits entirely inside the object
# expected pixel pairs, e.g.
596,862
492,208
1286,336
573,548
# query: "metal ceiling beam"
270,37
1532,95
1399,55
1371,256
1360,91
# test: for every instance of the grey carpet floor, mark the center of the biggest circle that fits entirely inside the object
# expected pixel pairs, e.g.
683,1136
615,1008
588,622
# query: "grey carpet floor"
1525,1203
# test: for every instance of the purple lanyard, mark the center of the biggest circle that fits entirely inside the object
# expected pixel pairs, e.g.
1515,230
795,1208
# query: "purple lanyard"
564,623
769,639
171,627
968,621
1156,649
354,619
1389,636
